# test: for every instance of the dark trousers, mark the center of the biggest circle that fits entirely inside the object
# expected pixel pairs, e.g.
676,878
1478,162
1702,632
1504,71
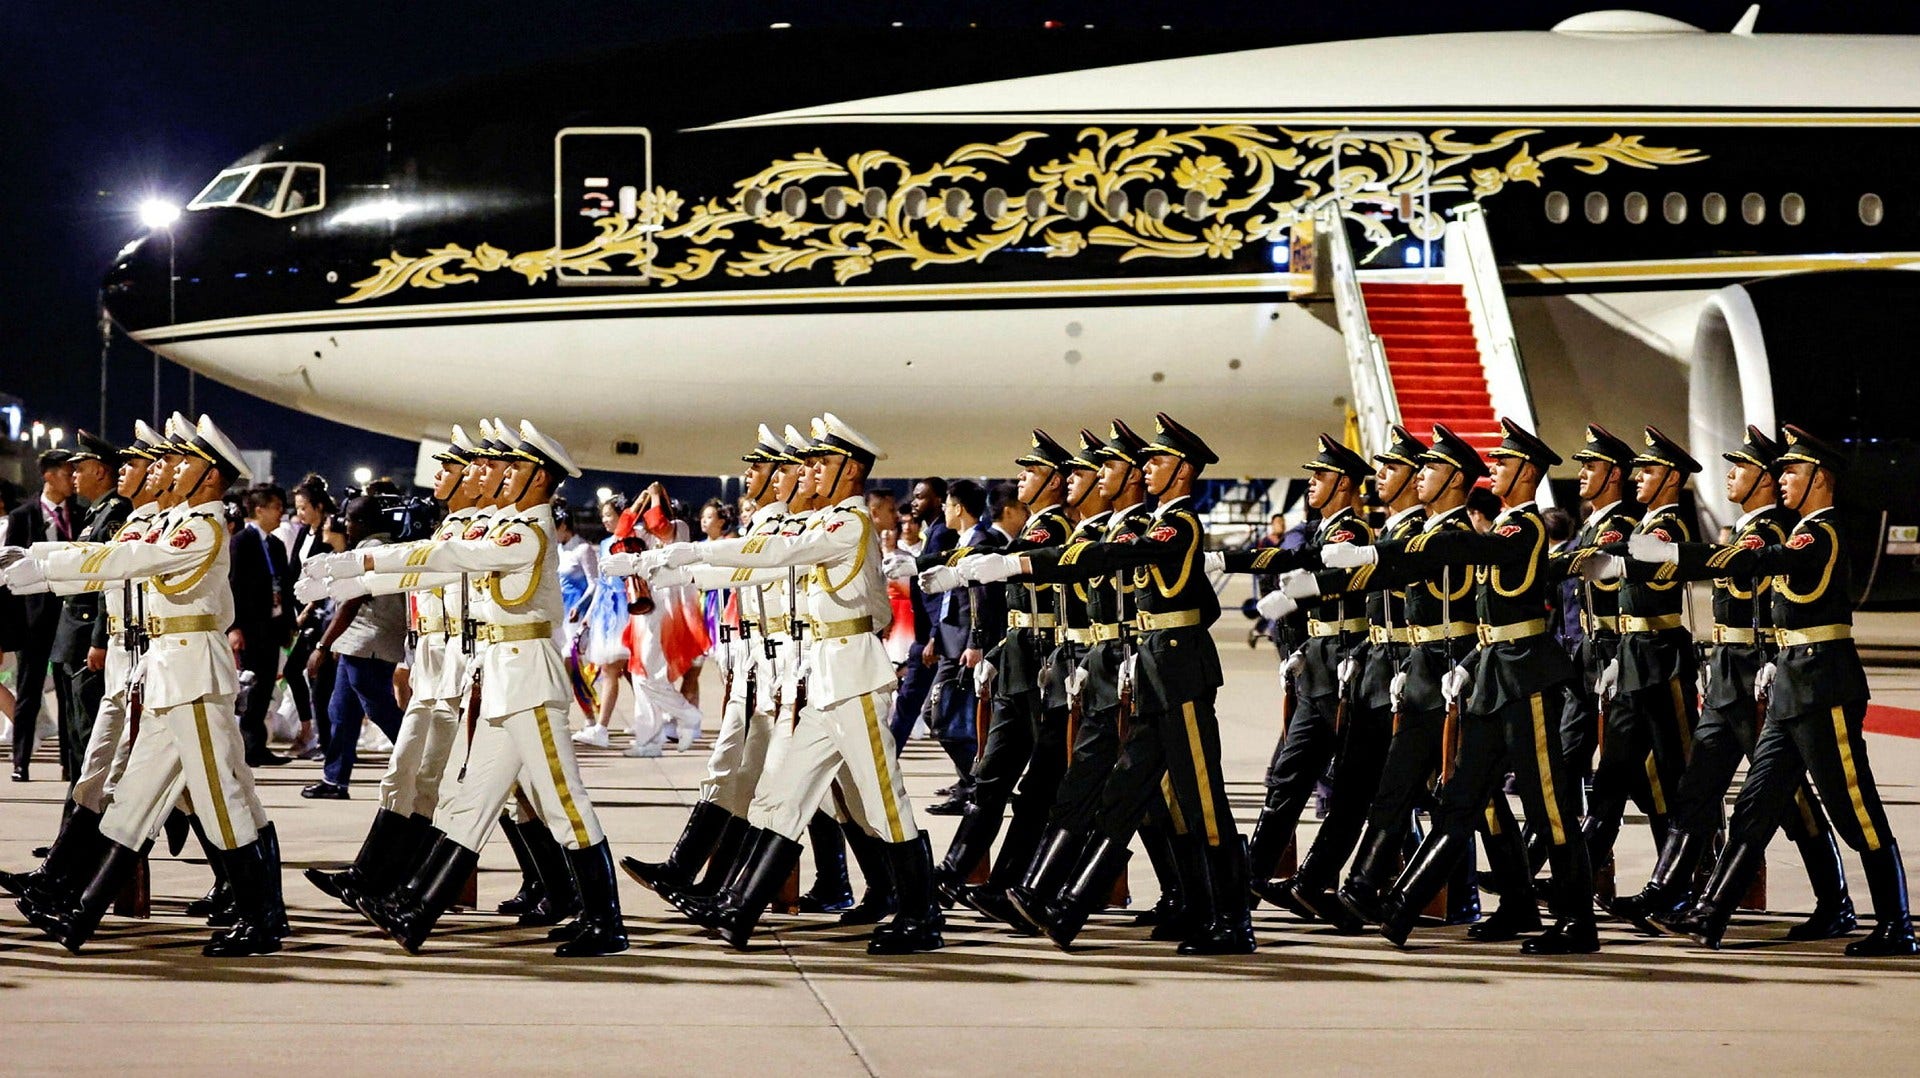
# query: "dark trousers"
1725,737
303,693
1033,799
948,711
1656,723
30,681
1519,737
85,688
1003,759
916,683
362,688
1181,745
261,655
1364,740
1299,761
1830,746
1095,750
1580,714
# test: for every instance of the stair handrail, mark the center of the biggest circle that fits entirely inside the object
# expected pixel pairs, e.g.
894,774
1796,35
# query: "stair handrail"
1469,261
1374,404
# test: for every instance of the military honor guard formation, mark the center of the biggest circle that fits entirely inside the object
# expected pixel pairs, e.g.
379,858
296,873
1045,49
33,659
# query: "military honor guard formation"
1427,679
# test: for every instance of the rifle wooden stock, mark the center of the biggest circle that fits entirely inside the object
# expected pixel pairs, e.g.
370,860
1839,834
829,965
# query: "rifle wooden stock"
136,898
1449,741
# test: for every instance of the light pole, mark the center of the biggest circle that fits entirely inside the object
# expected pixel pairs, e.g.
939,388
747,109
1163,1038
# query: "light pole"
159,215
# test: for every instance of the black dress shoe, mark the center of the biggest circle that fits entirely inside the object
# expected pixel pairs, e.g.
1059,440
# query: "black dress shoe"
1511,921
953,806
20,773
263,758
1565,937
324,791
993,902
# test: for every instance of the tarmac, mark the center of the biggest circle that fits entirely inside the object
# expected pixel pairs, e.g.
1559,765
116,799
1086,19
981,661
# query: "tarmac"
485,997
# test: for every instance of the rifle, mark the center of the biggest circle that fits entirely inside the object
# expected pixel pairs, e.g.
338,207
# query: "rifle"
136,897
1450,727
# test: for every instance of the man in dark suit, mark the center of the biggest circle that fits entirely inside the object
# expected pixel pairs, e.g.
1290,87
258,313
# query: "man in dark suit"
104,477
46,518
966,621
262,612
916,681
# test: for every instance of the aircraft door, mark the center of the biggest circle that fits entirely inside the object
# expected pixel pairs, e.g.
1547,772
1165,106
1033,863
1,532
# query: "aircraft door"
599,177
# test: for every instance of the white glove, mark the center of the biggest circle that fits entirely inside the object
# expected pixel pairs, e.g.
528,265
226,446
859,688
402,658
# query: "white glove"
940,579
1603,567
1651,548
622,564
1453,683
1607,685
1300,584
1214,561
675,555
1294,664
670,578
315,567
898,565
1076,681
309,589
1347,556
1275,605
344,565
11,554
340,589
1763,680
982,674
1345,671
24,577
989,568
1397,689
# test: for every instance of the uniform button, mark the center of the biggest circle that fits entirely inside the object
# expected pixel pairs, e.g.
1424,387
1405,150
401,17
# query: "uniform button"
516,651
1174,643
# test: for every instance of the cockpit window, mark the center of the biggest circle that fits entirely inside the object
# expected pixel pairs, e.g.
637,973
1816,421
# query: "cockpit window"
263,191
280,189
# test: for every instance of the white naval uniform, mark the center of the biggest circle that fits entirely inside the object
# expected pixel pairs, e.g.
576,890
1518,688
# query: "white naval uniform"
521,734
429,729
841,730
106,754
188,734
747,719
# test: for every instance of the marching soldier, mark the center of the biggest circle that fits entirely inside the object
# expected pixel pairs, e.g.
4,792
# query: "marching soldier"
1743,642
518,720
1174,677
410,789
117,630
1816,692
1019,734
1510,686
1336,631
102,476
188,734
1653,706
1605,462
1441,629
840,728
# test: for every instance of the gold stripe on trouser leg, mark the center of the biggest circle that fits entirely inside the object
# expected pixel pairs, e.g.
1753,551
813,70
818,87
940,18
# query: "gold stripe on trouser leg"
212,764
880,768
559,775
1199,755
1805,808
1680,719
1653,785
1176,817
1493,817
1853,778
1544,761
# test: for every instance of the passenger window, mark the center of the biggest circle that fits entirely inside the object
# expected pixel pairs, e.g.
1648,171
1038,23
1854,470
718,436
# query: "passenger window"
994,203
1793,208
1596,207
956,203
1872,210
1036,204
306,192
1634,207
913,204
874,203
793,202
1155,204
754,203
263,191
1713,208
1558,207
834,203
1117,204
1674,207
1076,205
1753,209
1196,206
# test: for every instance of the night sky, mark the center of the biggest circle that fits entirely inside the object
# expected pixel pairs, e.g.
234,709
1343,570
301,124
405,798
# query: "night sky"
103,104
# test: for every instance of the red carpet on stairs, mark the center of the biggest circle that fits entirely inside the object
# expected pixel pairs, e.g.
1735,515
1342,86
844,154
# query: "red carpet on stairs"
1433,358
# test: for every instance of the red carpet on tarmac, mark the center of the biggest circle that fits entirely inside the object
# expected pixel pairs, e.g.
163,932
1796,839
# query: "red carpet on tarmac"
1898,721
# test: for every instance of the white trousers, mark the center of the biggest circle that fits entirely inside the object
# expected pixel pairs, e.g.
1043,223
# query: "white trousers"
106,757
848,742
739,755
197,746
428,731
530,749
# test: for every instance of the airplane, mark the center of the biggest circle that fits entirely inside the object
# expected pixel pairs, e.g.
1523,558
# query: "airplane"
651,250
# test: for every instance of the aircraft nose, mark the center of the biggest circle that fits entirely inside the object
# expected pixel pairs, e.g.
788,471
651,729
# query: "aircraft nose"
137,290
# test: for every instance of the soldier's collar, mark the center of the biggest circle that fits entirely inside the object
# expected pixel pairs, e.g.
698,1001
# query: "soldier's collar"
1404,514
1750,516
768,512
1097,518
1598,514
1163,508
1438,519
1512,509
1817,512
